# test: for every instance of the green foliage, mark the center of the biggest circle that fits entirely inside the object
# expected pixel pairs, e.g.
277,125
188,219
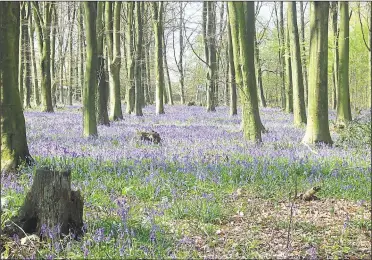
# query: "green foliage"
356,134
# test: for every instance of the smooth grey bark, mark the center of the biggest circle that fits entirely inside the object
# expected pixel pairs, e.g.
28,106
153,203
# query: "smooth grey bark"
335,54
343,102
157,10
279,25
90,83
138,55
112,12
21,64
299,111
52,57
289,83
282,57
102,93
212,55
303,61
34,74
317,129
43,25
233,95
130,95
168,92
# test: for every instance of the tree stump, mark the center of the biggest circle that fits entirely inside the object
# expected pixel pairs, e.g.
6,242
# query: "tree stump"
50,202
191,103
151,136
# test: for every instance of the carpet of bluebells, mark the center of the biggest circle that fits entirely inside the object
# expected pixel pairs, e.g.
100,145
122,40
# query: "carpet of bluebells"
159,201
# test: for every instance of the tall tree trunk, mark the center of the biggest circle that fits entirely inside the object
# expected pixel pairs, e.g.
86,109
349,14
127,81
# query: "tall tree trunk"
282,58
43,31
212,61
27,70
138,54
82,50
259,73
243,48
227,69
180,62
148,96
71,21
343,107
280,31
21,63
317,129
289,86
14,147
304,69
102,113
130,96
89,111
33,61
167,99
53,78
233,96
113,46
159,70
335,53
299,111
219,56
61,62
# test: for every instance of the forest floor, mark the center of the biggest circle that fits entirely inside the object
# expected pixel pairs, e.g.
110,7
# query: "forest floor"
202,193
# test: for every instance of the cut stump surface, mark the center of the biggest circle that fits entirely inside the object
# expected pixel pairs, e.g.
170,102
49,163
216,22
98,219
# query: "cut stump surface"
49,203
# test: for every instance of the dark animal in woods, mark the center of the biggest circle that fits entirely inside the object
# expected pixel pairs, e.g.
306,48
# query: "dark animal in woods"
191,103
151,136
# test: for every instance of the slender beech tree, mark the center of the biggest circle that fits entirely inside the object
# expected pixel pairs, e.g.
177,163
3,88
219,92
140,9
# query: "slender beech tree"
343,103
34,74
220,48
288,70
27,70
53,78
102,94
148,96
257,40
14,147
60,68
335,55
81,49
280,35
157,13
299,111
243,48
90,84
138,61
317,129
212,55
233,96
43,24
303,56
167,98
71,18
226,75
130,96
285,103
180,62
112,17
21,62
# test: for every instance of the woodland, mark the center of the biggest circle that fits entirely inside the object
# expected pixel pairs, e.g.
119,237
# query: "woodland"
185,130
